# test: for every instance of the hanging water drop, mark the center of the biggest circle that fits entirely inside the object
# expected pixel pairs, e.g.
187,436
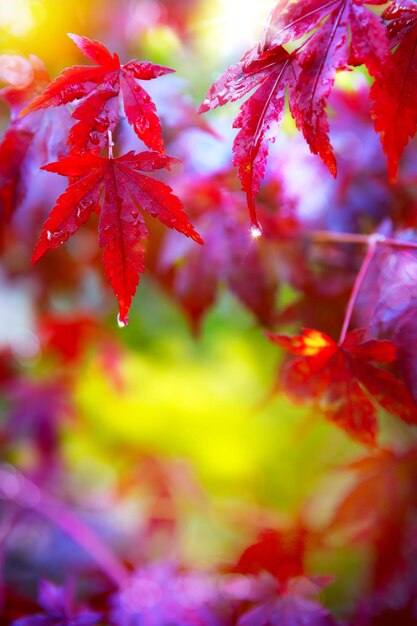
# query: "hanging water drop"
122,323
255,232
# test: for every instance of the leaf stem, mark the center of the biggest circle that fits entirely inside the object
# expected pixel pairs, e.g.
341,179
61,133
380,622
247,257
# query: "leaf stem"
19,489
111,143
323,236
372,242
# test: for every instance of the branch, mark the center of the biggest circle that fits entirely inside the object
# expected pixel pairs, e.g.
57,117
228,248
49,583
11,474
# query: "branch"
17,488
323,236
372,242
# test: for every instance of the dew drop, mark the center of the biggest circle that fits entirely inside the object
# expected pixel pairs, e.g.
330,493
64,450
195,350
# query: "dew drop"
134,213
122,323
48,235
101,123
142,125
255,232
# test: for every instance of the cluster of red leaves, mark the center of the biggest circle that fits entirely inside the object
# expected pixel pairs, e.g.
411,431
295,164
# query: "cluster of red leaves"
333,36
113,188
348,381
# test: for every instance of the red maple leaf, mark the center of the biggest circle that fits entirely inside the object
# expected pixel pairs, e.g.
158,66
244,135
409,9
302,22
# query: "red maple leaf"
115,189
348,34
98,88
345,380
272,72
394,92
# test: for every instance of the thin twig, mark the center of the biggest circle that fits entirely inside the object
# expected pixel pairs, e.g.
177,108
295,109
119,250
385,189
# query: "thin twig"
372,242
324,236
111,143
19,489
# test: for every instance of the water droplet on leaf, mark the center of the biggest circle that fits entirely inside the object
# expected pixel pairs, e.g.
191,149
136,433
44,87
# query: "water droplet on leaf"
141,125
101,123
95,139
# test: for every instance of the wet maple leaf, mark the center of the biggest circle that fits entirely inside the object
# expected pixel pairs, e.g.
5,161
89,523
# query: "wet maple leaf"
292,19
394,92
348,34
98,89
345,380
115,189
272,72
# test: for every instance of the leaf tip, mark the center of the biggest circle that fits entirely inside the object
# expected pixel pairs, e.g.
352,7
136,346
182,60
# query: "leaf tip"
122,319
38,252
204,106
